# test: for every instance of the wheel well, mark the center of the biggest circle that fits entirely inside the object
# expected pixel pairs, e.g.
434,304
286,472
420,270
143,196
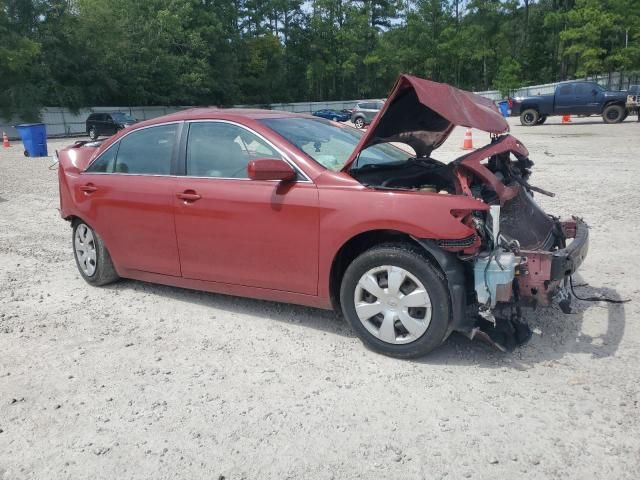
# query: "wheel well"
356,246
614,102
529,107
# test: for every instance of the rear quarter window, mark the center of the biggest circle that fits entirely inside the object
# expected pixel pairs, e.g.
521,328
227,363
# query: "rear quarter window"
105,162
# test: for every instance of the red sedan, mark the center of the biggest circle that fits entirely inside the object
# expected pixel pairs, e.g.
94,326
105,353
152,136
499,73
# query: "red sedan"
294,208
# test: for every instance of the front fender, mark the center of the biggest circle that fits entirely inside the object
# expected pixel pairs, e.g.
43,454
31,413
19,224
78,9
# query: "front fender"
422,215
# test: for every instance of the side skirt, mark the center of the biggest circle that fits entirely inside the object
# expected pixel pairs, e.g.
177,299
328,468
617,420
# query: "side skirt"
230,289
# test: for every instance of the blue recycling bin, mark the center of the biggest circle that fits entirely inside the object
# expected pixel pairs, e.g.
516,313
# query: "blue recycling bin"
34,139
504,108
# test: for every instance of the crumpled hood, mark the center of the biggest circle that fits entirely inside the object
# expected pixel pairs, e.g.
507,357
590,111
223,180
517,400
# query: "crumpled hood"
422,114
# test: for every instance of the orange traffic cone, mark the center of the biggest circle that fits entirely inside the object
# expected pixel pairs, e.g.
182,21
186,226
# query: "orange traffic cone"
5,140
566,119
468,140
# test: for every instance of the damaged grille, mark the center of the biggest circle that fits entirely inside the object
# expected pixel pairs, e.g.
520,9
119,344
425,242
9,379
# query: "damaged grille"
461,242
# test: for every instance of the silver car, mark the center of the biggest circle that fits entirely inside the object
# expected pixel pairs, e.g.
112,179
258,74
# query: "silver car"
364,112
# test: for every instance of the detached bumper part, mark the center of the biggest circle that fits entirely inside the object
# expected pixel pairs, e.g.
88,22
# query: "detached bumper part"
565,262
543,273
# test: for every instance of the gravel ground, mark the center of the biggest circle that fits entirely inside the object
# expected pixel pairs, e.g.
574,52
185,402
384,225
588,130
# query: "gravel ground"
144,381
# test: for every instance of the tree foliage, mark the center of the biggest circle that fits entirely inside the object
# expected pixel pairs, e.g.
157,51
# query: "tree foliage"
220,52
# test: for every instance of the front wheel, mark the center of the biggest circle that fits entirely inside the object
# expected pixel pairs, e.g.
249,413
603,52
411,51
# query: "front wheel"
92,258
529,117
613,114
359,122
93,133
396,300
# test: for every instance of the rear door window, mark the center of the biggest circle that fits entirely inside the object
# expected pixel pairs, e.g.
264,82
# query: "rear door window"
565,90
148,151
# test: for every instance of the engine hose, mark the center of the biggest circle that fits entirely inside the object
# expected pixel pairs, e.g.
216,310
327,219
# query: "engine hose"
595,299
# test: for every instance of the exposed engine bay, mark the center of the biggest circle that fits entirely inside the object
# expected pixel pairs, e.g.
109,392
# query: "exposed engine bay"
521,256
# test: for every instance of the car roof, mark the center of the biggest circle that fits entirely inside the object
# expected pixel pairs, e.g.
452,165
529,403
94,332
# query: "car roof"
107,113
211,113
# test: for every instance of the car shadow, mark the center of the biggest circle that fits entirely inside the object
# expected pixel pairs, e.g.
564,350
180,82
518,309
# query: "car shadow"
323,320
557,333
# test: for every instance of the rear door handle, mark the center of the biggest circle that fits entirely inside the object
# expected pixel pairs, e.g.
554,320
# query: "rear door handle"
189,196
88,188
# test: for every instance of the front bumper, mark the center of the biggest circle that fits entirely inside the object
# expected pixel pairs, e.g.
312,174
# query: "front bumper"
542,273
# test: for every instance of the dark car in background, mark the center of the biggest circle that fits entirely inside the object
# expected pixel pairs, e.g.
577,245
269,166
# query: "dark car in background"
107,123
364,112
334,115
572,98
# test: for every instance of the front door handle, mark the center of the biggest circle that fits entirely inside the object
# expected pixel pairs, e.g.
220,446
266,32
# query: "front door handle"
189,196
88,188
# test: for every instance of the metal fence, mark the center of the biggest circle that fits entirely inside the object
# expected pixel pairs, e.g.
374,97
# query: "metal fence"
63,122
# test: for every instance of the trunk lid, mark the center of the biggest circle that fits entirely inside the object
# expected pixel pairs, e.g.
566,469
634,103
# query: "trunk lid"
422,114
75,158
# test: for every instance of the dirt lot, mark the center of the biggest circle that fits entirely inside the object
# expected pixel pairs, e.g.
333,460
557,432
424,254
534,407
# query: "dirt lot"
144,381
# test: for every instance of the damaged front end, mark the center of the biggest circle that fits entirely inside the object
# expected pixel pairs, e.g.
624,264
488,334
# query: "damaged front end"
526,256
521,256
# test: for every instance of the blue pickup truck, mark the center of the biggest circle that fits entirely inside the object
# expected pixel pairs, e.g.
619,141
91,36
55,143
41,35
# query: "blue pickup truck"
571,98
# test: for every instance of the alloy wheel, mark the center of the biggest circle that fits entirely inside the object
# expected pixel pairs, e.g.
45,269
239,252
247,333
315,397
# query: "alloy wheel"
85,248
392,304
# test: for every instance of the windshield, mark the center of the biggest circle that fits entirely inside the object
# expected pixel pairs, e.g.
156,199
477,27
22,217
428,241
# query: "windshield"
122,117
330,145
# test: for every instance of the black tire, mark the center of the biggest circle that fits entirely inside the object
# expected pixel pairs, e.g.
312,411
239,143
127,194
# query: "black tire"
413,260
529,117
93,133
105,272
26,153
541,120
359,122
613,114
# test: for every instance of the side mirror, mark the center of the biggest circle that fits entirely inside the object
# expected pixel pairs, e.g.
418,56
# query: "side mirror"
270,169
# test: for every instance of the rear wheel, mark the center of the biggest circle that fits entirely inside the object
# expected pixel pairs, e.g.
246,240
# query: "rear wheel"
396,300
613,114
92,258
541,120
93,133
359,122
529,117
